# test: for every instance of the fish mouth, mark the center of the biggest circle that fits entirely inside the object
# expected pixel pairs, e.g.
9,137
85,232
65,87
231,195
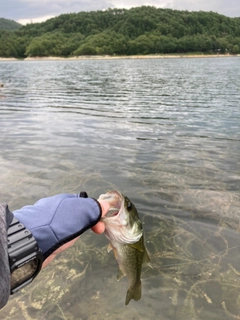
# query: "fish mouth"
112,213
116,201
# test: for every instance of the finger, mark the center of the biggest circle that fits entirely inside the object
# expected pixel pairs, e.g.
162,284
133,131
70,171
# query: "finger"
99,227
105,206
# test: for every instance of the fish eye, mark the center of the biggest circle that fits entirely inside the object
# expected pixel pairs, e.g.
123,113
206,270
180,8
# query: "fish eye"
129,205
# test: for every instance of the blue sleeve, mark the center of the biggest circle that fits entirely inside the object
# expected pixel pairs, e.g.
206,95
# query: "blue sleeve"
56,220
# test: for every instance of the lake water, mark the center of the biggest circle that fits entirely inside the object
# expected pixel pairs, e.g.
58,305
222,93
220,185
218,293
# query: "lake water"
166,132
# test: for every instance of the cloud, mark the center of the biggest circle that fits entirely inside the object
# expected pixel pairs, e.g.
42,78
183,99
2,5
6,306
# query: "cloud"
32,9
137,3
35,9
34,20
227,7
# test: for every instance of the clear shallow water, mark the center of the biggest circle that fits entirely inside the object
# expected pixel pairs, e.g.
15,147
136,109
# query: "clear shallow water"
166,132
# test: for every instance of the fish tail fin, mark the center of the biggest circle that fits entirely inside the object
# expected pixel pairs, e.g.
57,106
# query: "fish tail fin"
134,293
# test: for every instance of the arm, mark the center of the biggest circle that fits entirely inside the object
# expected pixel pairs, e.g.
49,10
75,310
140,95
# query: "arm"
5,219
55,223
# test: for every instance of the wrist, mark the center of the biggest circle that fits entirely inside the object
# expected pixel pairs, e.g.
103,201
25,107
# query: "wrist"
25,258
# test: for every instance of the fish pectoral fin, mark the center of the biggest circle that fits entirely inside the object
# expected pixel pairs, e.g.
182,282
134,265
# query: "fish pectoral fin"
134,293
146,259
120,274
137,245
109,247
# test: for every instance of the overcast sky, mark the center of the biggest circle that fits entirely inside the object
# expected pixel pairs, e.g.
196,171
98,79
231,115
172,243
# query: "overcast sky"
26,11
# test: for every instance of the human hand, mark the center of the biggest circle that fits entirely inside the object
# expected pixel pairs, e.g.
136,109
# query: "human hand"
57,221
98,228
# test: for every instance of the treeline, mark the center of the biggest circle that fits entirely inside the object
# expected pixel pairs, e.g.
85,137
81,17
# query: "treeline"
6,24
141,30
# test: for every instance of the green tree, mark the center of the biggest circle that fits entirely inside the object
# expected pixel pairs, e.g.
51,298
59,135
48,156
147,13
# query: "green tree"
141,30
235,49
6,24
85,49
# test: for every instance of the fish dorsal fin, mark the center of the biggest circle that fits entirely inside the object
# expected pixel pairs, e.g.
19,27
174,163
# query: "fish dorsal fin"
120,274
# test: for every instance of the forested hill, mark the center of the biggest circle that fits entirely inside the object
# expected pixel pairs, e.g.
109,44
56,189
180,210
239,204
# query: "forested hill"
141,30
6,24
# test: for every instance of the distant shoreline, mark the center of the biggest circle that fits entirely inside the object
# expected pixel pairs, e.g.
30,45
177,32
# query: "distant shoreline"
107,57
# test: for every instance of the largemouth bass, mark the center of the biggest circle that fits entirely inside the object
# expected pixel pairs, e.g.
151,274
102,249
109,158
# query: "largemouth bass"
123,229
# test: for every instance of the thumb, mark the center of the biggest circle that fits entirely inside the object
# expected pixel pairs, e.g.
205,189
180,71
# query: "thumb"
100,226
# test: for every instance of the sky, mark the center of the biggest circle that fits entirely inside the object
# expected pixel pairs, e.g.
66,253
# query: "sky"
27,11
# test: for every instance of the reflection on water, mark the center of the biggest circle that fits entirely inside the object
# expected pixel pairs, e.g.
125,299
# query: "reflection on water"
165,132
